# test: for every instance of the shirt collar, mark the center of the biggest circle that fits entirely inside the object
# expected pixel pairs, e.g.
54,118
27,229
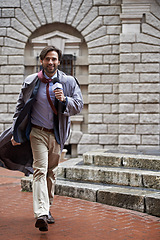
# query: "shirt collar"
55,75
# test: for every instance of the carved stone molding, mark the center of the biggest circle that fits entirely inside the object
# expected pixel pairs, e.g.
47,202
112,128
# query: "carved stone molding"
66,42
132,16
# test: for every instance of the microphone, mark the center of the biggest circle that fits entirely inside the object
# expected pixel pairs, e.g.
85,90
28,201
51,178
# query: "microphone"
56,84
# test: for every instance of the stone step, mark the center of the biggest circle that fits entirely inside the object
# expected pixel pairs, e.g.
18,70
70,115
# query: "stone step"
74,169
121,159
138,199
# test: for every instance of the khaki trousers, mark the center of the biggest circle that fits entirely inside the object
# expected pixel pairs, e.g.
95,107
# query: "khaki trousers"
46,154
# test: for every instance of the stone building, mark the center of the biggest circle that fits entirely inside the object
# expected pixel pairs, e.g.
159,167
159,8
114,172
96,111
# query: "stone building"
111,46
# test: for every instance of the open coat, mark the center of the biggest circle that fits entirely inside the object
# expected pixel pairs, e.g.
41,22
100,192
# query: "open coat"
20,157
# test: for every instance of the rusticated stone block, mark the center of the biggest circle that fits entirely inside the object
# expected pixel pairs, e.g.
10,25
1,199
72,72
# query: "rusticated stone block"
102,41
27,8
99,2
151,180
94,59
85,7
75,137
108,139
93,139
153,204
16,60
39,11
13,43
92,14
10,3
99,108
5,22
100,88
18,69
129,139
6,117
126,108
97,128
18,79
98,69
94,118
142,162
107,160
150,140
19,14
149,98
122,199
149,77
12,51
12,89
89,157
72,189
72,9
92,26
101,50
109,10
131,77
142,47
102,31
3,60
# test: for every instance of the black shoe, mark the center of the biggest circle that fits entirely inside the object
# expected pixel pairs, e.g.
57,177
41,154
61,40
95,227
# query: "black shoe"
50,219
41,223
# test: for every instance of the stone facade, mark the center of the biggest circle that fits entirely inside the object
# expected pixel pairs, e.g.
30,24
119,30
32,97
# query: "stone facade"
117,45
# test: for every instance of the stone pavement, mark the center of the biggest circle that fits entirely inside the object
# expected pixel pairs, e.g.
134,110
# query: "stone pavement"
75,219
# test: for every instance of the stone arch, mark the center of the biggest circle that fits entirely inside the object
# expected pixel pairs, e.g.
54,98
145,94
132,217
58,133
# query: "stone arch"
67,38
80,19
85,18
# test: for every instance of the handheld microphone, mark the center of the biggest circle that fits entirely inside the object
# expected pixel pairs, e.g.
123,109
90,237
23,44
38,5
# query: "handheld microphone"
56,84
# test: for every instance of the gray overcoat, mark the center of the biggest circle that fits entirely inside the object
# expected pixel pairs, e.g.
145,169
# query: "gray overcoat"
20,157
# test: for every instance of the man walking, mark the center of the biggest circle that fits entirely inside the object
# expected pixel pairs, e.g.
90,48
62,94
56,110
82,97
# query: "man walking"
45,104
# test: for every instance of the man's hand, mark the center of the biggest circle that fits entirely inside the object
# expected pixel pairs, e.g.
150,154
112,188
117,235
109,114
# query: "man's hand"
14,143
59,94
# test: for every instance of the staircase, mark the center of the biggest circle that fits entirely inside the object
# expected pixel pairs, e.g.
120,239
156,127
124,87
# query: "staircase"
130,181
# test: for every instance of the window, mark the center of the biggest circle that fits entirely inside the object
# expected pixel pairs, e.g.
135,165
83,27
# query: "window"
68,64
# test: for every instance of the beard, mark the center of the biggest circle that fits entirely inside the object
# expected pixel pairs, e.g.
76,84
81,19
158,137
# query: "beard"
50,69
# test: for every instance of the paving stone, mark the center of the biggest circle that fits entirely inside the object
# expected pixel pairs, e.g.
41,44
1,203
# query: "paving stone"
75,218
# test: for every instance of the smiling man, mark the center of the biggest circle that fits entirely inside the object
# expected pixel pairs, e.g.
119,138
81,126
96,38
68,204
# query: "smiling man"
42,117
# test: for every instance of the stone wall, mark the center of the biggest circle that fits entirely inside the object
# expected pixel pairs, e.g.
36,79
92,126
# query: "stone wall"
139,76
121,72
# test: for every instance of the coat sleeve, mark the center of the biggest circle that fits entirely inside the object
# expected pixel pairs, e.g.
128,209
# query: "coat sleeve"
74,101
25,93
19,106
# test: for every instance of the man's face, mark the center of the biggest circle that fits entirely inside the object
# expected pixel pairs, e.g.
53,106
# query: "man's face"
50,63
